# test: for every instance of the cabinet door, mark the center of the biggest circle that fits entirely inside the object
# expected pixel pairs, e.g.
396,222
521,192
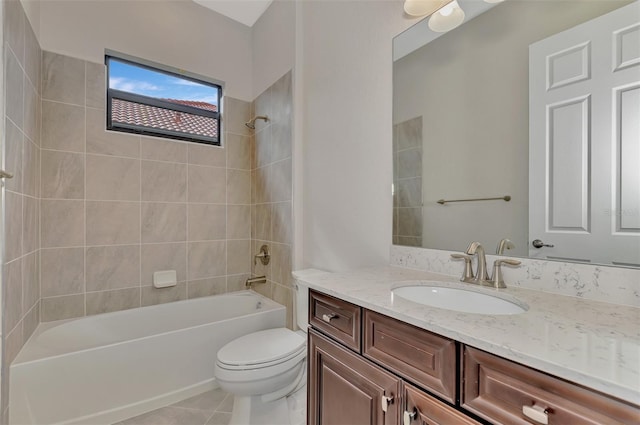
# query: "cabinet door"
345,389
422,409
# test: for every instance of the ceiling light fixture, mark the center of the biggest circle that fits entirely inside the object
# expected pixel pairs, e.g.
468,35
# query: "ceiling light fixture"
447,18
423,7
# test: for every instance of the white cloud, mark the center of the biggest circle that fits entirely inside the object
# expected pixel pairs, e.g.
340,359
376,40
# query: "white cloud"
126,84
185,83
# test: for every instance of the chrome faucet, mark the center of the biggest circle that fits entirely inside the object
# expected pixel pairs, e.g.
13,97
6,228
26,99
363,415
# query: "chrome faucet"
482,277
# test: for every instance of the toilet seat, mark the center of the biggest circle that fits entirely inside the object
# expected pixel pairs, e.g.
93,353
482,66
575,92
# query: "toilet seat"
261,350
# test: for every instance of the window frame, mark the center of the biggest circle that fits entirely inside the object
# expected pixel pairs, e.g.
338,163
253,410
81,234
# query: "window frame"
159,103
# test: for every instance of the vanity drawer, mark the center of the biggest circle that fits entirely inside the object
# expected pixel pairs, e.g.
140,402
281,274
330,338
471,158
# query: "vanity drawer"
338,319
420,408
497,389
422,357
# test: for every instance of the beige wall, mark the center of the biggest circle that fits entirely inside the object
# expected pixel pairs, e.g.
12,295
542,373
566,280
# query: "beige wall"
117,207
21,156
179,33
347,135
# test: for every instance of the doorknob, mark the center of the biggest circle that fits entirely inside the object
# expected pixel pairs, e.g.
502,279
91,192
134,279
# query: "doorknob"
537,243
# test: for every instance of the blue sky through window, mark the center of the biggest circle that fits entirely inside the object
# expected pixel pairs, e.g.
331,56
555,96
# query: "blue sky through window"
134,79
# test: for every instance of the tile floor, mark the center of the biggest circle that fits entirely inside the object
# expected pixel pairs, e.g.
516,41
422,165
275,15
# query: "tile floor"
210,408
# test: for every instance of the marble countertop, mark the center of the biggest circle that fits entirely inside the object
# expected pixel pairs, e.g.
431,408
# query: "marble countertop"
591,343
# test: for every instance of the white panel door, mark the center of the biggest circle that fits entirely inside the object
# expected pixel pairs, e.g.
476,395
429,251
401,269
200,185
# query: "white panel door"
584,141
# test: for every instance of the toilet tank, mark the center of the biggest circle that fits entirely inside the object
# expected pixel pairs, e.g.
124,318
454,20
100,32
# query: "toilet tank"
302,296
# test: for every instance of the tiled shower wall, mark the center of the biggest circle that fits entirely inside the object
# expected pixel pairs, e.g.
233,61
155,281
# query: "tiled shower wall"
271,197
21,156
117,207
407,182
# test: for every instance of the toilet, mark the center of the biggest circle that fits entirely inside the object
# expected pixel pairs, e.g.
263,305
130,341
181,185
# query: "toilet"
262,369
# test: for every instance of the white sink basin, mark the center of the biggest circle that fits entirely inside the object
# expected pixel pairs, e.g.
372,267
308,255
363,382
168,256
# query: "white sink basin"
459,299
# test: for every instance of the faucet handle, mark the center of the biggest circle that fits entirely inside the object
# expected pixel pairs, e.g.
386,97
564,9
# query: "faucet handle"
496,276
467,274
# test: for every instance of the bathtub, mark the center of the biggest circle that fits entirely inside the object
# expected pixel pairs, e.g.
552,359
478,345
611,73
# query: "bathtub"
105,368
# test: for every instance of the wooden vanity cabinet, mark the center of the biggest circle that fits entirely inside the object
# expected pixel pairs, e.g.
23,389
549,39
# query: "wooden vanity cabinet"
423,409
345,389
498,390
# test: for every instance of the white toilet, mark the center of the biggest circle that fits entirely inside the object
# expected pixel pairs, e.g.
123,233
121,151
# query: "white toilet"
263,368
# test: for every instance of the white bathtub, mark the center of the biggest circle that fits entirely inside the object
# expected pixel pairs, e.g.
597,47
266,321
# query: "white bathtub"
105,368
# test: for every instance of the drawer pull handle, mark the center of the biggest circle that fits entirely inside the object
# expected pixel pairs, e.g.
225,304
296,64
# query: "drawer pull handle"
328,317
385,402
408,417
536,413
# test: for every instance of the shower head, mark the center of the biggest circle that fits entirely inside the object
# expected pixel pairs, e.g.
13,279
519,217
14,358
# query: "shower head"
252,122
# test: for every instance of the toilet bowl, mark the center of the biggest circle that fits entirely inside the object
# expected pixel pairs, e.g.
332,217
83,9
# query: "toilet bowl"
264,368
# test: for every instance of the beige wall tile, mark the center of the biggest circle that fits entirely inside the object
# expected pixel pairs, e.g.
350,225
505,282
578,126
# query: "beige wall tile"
15,21
62,175
262,155
261,222
260,178
30,169
113,223
13,156
153,296
164,222
239,187
32,57
62,271
30,223
108,301
104,142
30,280
238,221
201,154
63,126
13,226
61,223
12,294
112,267
58,308
281,179
409,163
31,112
206,259
281,140
30,322
236,113
238,256
96,85
63,78
282,223
265,289
410,221
164,181
238,150
206,287
207,184
281,267
13,344
158,149
112,179
409,134
284,295
14,88
237,282
263,106
164,256
207,222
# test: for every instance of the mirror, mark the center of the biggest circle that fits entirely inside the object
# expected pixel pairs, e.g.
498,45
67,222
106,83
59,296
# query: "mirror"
529,105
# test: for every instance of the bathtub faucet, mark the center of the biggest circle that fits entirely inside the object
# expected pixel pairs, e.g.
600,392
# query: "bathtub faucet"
254,280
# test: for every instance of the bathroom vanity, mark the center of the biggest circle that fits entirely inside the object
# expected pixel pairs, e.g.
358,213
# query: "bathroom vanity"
377,359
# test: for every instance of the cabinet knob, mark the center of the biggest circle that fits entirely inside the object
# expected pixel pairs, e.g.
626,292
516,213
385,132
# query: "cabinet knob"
327,317
385,402
536,413
407,417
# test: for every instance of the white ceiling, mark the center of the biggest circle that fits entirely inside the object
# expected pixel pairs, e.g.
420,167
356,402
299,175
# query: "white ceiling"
246,12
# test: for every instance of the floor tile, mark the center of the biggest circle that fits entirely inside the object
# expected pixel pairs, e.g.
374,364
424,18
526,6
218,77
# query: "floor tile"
226,405
205,401
220,418
170,416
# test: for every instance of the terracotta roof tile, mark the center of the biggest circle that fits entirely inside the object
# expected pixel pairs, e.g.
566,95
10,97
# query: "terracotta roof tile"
132,113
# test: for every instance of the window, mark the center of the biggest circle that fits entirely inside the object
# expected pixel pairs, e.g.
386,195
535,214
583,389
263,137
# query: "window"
157,101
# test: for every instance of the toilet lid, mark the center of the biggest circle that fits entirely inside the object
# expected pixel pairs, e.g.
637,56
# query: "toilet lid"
262,347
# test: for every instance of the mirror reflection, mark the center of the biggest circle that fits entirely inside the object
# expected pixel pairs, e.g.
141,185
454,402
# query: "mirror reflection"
521,126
